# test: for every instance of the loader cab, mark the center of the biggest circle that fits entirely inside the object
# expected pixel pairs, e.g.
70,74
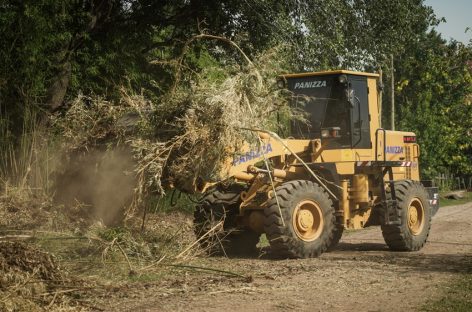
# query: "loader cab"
336,106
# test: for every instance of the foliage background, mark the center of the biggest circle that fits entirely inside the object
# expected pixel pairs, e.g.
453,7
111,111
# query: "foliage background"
52,51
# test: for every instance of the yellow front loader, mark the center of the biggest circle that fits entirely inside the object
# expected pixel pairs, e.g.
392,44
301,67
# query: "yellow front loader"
339,171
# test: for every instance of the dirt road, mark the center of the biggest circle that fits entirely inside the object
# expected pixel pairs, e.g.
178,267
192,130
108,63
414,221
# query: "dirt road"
360,275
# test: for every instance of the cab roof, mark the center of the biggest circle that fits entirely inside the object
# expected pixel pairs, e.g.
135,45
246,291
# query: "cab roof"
329,72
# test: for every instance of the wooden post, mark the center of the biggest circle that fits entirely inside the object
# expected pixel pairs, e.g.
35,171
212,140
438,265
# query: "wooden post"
380,92
392,92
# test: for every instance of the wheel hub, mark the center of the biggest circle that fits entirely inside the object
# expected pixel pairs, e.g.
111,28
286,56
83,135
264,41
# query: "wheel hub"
416,216
307,220
413,216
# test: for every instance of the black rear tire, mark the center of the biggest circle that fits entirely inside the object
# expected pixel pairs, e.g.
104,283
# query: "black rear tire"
282,230
409,236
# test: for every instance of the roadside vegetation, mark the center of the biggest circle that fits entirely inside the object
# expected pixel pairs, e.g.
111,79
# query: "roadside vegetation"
457,297
452,202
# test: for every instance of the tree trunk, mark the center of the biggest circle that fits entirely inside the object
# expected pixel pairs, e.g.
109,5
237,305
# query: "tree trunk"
57,90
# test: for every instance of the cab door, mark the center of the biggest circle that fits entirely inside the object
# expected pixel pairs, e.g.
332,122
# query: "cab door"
360,118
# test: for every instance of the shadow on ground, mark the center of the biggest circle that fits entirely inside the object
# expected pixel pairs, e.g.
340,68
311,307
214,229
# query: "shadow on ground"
417,261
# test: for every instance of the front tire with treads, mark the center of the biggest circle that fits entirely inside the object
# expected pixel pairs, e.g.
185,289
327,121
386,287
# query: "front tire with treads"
414,212
302,223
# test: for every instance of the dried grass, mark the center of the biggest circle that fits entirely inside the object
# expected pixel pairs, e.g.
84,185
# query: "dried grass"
31,280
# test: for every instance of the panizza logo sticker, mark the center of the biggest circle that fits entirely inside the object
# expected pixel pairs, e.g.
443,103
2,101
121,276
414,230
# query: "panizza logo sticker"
252,154
394,149
310,84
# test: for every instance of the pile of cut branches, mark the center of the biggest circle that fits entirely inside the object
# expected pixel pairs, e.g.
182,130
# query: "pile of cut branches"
31,280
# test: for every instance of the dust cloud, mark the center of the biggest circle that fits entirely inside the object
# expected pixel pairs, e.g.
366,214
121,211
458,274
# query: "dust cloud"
100,181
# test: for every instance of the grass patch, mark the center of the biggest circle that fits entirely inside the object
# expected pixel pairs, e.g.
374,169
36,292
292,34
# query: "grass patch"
457,297
121,254
452,202
263,241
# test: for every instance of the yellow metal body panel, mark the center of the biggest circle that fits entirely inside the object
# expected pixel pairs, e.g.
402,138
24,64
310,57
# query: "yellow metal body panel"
374,108
345,167
396,150
392,148
251,155
347,155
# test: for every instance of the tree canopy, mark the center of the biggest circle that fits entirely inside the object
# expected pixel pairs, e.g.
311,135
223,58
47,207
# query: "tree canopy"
51,50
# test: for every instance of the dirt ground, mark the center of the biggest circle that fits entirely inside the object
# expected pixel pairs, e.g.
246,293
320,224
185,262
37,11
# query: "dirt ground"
360,275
